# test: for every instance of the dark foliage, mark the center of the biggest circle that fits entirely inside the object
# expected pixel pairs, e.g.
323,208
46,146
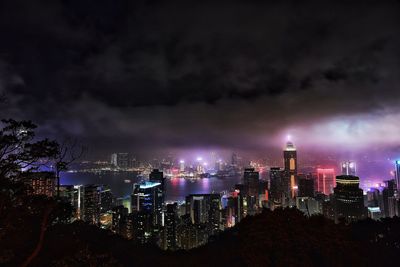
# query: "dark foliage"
279,238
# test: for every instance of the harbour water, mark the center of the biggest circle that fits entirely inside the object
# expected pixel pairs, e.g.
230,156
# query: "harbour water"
121,183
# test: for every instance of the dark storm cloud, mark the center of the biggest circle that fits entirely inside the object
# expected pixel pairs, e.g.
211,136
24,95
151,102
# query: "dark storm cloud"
176,74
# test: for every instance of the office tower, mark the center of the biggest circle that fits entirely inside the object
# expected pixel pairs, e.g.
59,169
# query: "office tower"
388,192
214,215
233,212
279,187
120,160
90,203
140,228
251,180
234,160
326,181
197,207
348,199
373,197
157,176
171,224
146,198
114,161
218,165
398,176
119,217
290,163
306,186
348,168
106,199
205,209
191,235
40,183
199,165
182,166
393,207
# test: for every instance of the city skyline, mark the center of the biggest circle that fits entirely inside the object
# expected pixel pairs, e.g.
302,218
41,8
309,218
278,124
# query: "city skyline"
115,79
199,133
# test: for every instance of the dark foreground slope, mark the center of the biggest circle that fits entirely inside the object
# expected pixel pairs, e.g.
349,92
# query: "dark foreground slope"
279,238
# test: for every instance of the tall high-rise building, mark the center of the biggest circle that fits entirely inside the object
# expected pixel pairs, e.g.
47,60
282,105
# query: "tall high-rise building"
373,197
119,216
170,230
326,181
90,203
120,160
197,207
290,163
181,165
234,209
348,199
234,160
251,181
106,199
348,168
157,176
205,209
146,198
306,186
398,176
214,214
278,187
387,193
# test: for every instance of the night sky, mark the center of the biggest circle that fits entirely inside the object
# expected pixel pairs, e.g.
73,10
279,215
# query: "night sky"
241,75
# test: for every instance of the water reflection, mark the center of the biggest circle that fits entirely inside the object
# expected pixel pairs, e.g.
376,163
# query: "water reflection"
177,188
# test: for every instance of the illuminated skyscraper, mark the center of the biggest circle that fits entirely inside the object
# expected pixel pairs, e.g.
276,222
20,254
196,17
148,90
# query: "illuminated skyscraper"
326,181
348,199
234,160
90,203
181,165
170,230
348,168
146,198
251,180
120,160
387,193
290,162
106,199
398,176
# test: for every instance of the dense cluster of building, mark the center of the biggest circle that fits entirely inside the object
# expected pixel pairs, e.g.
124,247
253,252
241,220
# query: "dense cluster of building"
197,168
146,217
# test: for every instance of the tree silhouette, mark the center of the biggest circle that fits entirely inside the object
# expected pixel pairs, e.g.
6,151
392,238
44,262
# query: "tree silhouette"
20,151
67,152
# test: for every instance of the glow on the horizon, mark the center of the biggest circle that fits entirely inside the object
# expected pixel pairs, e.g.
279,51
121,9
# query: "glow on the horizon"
199,159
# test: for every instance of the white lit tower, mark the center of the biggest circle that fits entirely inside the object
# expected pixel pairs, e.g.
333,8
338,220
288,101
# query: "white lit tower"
290,163
200,165
182,165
